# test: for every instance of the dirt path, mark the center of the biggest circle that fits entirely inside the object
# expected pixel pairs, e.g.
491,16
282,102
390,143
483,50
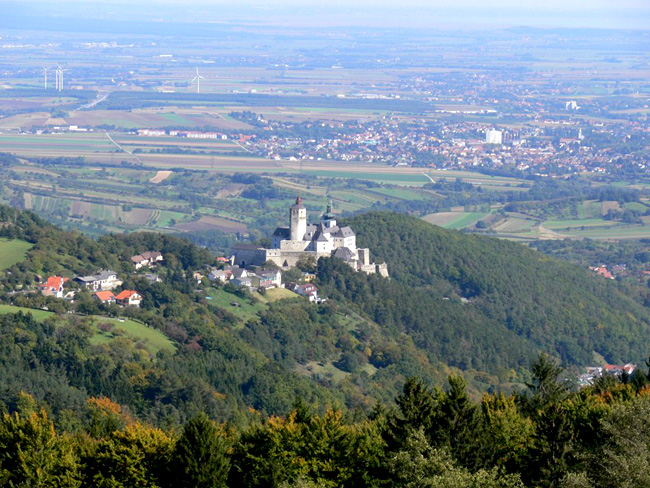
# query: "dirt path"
545,233
160,176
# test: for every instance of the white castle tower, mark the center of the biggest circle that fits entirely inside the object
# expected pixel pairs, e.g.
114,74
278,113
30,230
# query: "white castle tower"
298,220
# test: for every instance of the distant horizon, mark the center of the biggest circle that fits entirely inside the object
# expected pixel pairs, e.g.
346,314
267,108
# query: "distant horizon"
417,14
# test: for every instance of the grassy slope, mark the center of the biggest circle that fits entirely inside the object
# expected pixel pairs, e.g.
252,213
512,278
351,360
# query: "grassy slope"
12,252
248,308
152,339
39,315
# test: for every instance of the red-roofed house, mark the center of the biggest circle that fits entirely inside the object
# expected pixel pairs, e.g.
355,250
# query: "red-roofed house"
603,271
619,369
307,290
106,297
128,298
53,287
147,258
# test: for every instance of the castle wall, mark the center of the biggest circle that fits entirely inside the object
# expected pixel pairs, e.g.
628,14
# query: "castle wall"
291,246
288,259
248,257
364,256
349,242
323,247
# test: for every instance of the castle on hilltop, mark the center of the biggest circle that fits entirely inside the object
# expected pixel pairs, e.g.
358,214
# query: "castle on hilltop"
325,239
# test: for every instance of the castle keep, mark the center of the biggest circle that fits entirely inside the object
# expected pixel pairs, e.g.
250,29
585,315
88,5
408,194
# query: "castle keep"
289,244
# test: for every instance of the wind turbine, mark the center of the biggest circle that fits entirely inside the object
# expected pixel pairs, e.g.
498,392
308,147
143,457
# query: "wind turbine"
59,77
198,79
45,74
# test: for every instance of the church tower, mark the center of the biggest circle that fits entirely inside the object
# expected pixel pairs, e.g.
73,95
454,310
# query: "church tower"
298,220
327,218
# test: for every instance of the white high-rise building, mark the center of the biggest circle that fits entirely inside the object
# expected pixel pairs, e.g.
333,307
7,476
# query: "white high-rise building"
572,105
493,136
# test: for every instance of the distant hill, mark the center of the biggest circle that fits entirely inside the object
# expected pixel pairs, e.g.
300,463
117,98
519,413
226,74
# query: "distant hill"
478,302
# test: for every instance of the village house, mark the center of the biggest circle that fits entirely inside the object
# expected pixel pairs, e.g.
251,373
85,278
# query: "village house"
238,273
70,295
103,280
53,286
602,271
618,370
152,278
267,279
128,298
244,281
308,277
147,258
105,297
272,276
221,275
308,290
256,277
592,373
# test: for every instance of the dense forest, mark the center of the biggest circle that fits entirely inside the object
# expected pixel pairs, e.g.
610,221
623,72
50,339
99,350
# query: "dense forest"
490,301
429,437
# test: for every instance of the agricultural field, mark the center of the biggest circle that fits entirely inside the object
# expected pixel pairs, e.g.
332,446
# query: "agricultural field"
588,222
96,197
245,308
212,222
221,156
275,294
125,182
12,252
455,220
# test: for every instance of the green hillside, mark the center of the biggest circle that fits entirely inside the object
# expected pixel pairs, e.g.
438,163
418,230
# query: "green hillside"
485,303
12,251
454,303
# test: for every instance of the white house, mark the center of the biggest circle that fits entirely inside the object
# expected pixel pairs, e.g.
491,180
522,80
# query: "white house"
104,280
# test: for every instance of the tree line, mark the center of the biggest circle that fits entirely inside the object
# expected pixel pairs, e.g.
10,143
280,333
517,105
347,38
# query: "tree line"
550,436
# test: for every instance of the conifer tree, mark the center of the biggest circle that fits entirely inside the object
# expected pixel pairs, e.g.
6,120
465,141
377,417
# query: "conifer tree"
200,457
460,416
418,409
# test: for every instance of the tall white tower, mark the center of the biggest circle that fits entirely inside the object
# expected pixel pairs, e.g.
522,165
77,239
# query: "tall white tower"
493,136
298,220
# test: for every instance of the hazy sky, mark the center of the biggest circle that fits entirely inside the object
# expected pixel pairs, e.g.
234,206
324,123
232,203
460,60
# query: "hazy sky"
400,13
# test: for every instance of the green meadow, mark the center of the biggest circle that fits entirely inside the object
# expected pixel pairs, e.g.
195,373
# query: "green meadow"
12,252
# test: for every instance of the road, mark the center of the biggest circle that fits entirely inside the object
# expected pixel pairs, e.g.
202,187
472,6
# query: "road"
100,98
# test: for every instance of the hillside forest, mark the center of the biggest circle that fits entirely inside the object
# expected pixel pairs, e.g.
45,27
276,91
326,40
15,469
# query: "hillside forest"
448,374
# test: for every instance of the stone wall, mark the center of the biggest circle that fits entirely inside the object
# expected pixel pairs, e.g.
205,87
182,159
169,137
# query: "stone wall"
292,246
247,257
